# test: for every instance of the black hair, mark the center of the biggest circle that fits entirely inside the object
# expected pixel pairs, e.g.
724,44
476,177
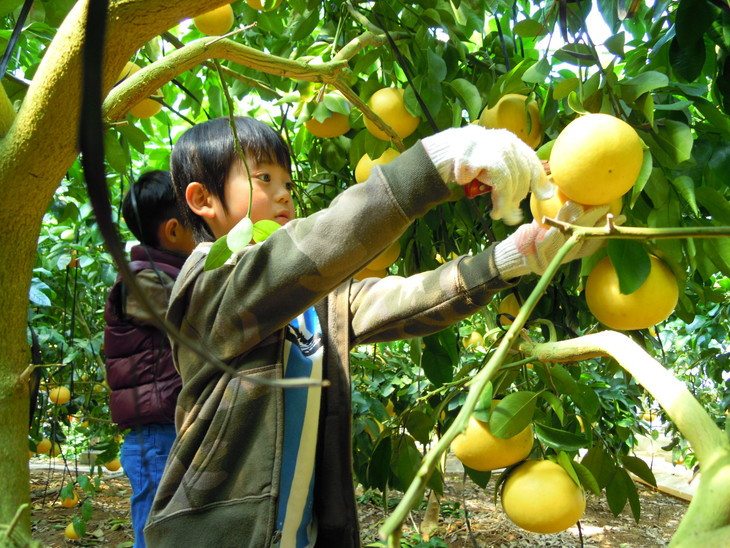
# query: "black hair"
206,152
149,203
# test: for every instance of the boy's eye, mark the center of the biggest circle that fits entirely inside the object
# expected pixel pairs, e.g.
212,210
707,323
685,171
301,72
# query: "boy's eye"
290,186
265,177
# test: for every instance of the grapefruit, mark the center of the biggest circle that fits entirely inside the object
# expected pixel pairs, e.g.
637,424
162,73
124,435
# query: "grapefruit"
365,164
389,104
215,22
511,113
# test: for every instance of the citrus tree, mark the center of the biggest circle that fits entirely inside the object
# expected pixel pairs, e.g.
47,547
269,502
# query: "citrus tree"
343,81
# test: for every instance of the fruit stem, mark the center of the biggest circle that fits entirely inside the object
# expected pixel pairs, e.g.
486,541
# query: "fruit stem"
613,231
394,523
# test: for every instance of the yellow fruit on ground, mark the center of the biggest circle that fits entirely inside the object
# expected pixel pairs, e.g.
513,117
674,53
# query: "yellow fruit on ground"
43,446
551,206
334,126
257,5
59,395
510,113
540,496
146,108
388,103
367,273
652,303
386,258
215,22
509,305
113,465
596,159
473,340
70,502
365,164
479,449
71,533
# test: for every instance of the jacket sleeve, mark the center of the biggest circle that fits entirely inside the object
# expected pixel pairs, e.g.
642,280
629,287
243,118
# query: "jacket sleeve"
156,287
394,307
258,291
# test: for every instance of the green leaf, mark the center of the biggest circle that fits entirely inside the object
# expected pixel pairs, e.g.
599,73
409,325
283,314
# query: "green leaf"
616,492
600,465
37,297
638,467
715,203
633,88
263,229
529,28
685,187
407,461
114,152
615,44
419,425
559,377
644,174
336,103
538,72
560,440
676,140
555,404
378,468
240,235
631,262
587,479
469,95
567,463
436,362
564,87
512,414
436,67
218,254
8,6
478,477
483,408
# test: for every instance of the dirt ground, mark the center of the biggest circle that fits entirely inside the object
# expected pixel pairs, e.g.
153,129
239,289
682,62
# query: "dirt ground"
110,524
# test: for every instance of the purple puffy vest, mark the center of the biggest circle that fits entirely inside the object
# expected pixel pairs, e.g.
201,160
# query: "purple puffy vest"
139,366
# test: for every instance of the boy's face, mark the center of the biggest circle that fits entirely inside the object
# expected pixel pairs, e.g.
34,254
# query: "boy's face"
269,193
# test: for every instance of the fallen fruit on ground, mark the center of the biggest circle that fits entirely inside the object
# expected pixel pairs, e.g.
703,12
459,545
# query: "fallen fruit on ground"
215,22
388,103
365,164
511,113
479,449
550,207
334,126
59,395
510,306
71,533
113,465
596,159
146,108
386,258
540,496
649,305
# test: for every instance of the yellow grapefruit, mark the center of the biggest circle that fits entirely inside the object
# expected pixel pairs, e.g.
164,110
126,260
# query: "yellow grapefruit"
70,502
596,159
365,164
215,22
367,273
388,103
479,449
257,5
113,465
71,533
652,303
43,446
473,340
147,107
511,113
334,126
540,496
59,395
509,305
386,258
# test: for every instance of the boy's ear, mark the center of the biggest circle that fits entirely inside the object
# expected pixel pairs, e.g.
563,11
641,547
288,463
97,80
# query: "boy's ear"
199,200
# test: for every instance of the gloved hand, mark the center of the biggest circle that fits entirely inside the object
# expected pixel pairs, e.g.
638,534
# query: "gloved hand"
497,158
532,246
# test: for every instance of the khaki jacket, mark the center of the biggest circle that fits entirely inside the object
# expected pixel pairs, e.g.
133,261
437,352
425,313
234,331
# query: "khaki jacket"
221,482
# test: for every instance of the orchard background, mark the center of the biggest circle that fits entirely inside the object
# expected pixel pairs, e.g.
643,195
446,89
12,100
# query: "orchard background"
665,69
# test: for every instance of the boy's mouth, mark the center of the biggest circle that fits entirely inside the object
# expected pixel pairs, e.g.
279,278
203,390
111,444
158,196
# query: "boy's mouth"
282,218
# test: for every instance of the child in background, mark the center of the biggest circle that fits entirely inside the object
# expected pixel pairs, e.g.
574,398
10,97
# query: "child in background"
139,366
259,466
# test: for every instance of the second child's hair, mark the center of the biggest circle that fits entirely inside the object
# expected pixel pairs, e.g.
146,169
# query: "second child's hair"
206,152
154,203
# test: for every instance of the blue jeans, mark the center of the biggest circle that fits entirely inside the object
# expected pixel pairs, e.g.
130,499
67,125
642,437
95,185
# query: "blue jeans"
144,454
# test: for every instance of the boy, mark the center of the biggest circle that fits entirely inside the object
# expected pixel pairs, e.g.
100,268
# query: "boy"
139,364
259,466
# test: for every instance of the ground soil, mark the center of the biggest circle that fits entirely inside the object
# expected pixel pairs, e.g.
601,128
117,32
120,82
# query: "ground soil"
110,523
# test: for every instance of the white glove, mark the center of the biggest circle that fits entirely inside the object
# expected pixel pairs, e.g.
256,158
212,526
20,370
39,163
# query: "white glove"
532,246
497,158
